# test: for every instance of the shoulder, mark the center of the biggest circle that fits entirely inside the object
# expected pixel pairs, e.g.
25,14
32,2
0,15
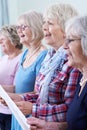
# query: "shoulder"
24,52
23,55
4,57
42,54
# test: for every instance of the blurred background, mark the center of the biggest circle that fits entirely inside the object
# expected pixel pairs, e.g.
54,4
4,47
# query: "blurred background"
16,7
11,9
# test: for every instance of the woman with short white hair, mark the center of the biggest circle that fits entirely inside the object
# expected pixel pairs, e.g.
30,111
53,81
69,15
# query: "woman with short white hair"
76,46
56,82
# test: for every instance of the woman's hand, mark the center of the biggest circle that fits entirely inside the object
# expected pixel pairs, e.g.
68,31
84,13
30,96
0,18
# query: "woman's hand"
2,101
15,97
25,107
38,124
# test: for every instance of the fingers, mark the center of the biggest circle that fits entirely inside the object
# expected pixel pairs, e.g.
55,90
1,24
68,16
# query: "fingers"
3,101
32,121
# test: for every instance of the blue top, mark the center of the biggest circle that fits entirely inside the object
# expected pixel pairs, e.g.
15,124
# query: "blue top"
77,112
25,77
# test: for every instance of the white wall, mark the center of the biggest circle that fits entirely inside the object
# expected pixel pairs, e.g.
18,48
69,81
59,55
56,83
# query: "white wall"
17,7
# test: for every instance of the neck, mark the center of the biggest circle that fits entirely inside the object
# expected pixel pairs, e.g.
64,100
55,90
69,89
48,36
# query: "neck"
34,46
58,44
33,51
83,66
84,70
14,54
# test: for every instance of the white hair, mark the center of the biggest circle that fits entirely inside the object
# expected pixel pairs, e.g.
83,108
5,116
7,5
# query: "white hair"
77,27
62,12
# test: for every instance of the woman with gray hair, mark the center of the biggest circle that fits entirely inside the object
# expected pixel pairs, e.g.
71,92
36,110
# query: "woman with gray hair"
11,49
76,46
57,92
56,82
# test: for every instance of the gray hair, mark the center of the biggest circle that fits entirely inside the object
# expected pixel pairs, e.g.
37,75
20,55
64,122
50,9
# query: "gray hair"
11,32
77,27
62,12
35,21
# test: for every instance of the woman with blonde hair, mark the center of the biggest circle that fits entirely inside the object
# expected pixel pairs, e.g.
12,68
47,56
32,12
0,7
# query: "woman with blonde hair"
55,100
56,82
29,29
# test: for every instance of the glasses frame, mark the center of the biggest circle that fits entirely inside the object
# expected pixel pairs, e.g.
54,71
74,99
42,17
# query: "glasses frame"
68,41
22,27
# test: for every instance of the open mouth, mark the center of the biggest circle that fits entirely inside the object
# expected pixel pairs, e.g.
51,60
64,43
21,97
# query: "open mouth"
47,35
22,35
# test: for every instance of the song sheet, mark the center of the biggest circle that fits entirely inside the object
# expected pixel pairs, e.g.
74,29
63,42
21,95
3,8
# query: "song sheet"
14,109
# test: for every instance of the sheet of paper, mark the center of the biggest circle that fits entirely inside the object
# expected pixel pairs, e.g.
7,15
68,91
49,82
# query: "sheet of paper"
15,110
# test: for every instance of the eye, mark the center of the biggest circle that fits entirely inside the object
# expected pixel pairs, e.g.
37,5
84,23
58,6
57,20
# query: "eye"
68,41
50,23
71,40
44,22
17,27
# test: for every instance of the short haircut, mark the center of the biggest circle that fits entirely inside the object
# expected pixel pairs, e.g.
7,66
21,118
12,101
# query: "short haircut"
35,21
11,32
62,12
77,27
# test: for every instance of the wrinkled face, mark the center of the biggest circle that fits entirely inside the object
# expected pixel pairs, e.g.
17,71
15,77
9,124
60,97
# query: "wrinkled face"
24,32
53,33
74,50
6,45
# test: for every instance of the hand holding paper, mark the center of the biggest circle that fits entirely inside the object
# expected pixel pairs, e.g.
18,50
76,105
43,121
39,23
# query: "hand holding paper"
25,107
15,110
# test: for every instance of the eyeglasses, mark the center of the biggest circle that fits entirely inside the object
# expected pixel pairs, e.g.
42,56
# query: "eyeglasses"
67,41
22,27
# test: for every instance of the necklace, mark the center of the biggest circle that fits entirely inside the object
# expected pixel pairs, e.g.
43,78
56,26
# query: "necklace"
29,57
82,83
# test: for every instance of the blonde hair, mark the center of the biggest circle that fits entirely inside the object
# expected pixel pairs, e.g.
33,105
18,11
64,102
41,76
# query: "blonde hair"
11,32
62,12
35,21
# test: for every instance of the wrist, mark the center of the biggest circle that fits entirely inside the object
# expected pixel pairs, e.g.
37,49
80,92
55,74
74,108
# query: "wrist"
22,97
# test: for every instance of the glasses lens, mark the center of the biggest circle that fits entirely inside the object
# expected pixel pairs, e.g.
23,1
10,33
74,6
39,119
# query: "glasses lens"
22,27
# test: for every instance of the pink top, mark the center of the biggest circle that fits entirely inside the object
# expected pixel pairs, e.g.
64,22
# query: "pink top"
8,68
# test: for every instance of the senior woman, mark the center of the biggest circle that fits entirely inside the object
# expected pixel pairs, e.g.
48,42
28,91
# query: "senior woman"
9,62
56,81
76,46
29,29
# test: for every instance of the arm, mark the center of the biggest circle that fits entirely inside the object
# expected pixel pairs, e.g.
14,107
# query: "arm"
25,106
64,96
9,88
57,112
31,96
39,124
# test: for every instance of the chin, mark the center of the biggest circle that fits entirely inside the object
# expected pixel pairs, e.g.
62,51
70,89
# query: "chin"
70,63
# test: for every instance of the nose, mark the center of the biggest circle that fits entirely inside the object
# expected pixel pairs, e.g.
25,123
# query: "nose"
19,30
65,45
45,26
